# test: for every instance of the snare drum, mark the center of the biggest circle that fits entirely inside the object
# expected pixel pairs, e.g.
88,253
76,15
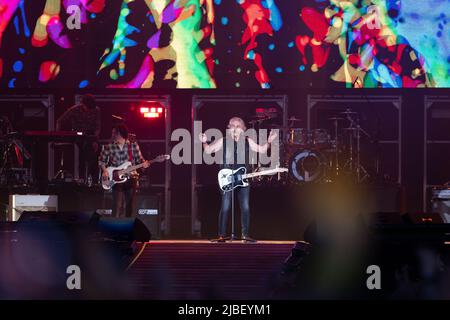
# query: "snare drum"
320,138
297,136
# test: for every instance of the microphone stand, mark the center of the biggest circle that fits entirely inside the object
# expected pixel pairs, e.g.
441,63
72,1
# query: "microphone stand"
233,231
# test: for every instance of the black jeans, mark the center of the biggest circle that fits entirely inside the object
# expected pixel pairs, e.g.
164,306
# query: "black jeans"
243,195
124,198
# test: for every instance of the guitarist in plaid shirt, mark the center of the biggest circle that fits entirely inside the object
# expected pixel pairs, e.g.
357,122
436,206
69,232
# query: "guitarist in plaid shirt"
114,154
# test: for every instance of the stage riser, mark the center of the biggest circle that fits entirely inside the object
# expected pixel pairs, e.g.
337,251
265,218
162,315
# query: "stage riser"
196,270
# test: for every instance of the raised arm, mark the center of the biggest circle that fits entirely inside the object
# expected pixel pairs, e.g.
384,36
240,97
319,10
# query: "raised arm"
262,148
63,121
212,147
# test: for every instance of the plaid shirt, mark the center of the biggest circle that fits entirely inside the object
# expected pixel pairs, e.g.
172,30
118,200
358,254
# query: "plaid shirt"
112,155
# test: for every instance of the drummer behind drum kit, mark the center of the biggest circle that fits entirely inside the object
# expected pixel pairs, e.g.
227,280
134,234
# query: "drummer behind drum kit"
318,156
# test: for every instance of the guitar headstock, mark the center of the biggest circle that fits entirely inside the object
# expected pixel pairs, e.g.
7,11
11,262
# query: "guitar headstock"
162,158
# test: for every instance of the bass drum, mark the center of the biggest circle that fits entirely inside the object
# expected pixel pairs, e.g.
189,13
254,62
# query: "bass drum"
307,166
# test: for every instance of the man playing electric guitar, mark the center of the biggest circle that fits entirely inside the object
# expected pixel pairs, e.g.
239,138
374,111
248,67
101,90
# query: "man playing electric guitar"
114,154
234,160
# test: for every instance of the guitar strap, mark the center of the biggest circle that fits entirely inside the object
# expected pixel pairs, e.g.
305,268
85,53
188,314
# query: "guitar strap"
130,153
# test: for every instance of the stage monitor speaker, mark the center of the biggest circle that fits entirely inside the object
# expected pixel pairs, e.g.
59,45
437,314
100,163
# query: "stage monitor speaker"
149,211
78,217
119,229
65,217
423,218
124,229
37,216
19,203
384,218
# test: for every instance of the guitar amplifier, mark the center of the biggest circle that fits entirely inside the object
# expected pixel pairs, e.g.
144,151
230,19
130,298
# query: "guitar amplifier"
149,211
440,202
19,203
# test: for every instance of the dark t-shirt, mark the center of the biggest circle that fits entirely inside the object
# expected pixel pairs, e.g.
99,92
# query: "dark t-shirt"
235,154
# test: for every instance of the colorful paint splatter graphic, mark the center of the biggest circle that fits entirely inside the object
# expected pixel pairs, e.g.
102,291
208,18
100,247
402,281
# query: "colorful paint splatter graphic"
224,43
174,33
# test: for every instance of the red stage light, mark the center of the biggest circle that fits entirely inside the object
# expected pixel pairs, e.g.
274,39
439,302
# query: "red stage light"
266,110
151,109
151,115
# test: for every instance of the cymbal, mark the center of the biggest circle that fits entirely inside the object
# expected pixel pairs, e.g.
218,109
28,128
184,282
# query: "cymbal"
348,112
336,119
350,129
294,119
260,116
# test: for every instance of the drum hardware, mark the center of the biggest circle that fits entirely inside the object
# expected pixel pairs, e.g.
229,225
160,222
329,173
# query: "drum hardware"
258,120
336,146
13,171
315,138
261,117
320,155
292,121
255,122
62,174
298,136
354,132
348,112
319,138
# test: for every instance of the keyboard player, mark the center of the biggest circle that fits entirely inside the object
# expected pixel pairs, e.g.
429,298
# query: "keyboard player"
84,117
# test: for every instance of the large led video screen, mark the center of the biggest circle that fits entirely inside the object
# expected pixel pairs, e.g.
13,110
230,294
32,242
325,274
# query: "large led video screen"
242,44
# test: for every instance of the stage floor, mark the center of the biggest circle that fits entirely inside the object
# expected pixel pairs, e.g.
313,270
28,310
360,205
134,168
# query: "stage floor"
187,241
200,269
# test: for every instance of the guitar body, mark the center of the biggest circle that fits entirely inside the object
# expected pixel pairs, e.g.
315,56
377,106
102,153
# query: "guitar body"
115,176
230,179
122,173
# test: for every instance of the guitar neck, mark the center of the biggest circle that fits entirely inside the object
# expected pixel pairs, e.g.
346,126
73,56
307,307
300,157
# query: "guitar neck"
257,174
138,166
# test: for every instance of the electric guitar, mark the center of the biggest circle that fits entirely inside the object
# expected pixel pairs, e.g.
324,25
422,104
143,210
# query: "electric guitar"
121,173
230,179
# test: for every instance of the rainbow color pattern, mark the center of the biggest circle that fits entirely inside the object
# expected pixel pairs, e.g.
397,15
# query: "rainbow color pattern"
224,44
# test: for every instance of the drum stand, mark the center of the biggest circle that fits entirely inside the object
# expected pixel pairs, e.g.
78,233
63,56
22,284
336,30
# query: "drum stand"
334,163
352,163
336,146
62,173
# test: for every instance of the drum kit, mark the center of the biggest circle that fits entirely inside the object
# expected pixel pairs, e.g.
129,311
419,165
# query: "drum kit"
322,155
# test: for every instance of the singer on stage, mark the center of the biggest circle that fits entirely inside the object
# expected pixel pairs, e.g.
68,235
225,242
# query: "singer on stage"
233,159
